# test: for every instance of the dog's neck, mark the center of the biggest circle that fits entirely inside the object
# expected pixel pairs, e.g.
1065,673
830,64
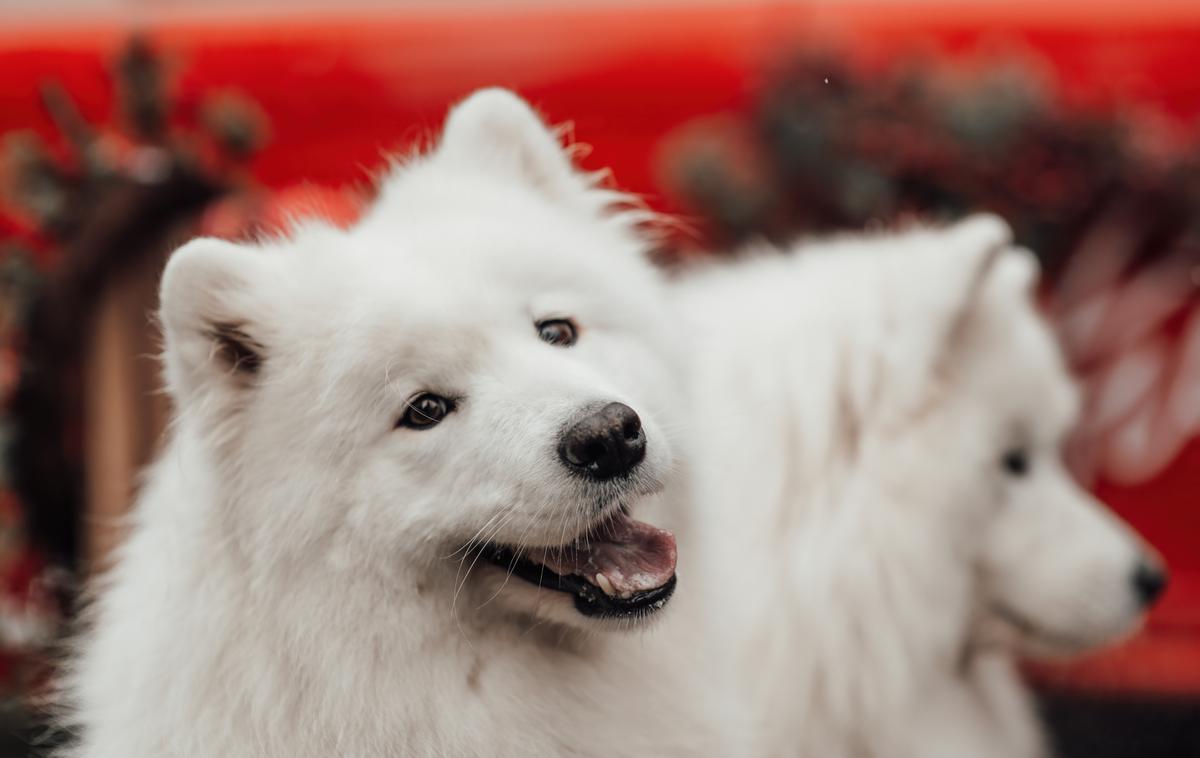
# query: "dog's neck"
870,613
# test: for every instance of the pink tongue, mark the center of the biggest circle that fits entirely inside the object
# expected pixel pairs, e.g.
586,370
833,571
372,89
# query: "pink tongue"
622,557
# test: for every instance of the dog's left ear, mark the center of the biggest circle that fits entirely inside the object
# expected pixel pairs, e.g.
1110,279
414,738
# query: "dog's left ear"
977,244
496,129
984,264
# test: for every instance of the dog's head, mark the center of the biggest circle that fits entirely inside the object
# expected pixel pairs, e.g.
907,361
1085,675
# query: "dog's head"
471,383
1056,572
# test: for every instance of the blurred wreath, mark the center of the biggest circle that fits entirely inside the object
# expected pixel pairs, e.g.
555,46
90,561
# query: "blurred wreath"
77,210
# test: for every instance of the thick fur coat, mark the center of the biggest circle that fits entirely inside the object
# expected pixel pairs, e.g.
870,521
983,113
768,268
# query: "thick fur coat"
298,580
881,465
366,419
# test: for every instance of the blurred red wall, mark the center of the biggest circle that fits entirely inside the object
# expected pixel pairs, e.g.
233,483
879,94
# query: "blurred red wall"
340,89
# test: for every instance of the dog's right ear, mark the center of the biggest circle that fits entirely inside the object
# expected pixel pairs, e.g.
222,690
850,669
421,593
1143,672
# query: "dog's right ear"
496,129
952,270
977,245
213,317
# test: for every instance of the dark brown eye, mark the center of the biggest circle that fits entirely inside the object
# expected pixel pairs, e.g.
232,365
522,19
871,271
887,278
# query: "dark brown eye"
425,410
558,331
1016,462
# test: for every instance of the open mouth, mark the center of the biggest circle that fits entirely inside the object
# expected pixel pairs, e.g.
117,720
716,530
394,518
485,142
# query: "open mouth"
619,568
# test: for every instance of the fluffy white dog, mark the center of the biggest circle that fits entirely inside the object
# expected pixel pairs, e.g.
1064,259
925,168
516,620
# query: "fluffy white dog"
393,516
880,464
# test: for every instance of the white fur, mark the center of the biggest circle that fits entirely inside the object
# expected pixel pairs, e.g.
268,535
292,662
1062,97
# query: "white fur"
823,431
855,400
296,583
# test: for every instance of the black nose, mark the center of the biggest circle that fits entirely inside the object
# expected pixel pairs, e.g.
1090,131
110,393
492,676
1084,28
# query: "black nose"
607,443
1149,581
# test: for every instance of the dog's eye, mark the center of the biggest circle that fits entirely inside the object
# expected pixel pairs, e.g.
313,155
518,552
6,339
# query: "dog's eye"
558,331
425,410
1016,461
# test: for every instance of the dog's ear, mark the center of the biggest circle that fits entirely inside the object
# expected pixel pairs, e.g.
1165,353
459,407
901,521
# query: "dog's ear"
213,314
1018,272
976,244
979,273
497,130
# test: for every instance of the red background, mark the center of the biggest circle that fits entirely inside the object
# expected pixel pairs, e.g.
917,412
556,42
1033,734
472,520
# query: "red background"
341,89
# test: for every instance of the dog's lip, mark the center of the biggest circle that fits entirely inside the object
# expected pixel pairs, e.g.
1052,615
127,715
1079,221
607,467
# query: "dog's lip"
619,567
1038,633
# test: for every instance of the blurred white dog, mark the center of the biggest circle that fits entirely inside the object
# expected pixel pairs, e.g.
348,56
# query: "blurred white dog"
878,461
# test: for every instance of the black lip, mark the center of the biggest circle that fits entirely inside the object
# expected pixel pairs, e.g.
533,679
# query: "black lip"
590,600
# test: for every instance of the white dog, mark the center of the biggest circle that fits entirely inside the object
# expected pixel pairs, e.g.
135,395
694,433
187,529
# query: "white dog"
880,465
393,516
